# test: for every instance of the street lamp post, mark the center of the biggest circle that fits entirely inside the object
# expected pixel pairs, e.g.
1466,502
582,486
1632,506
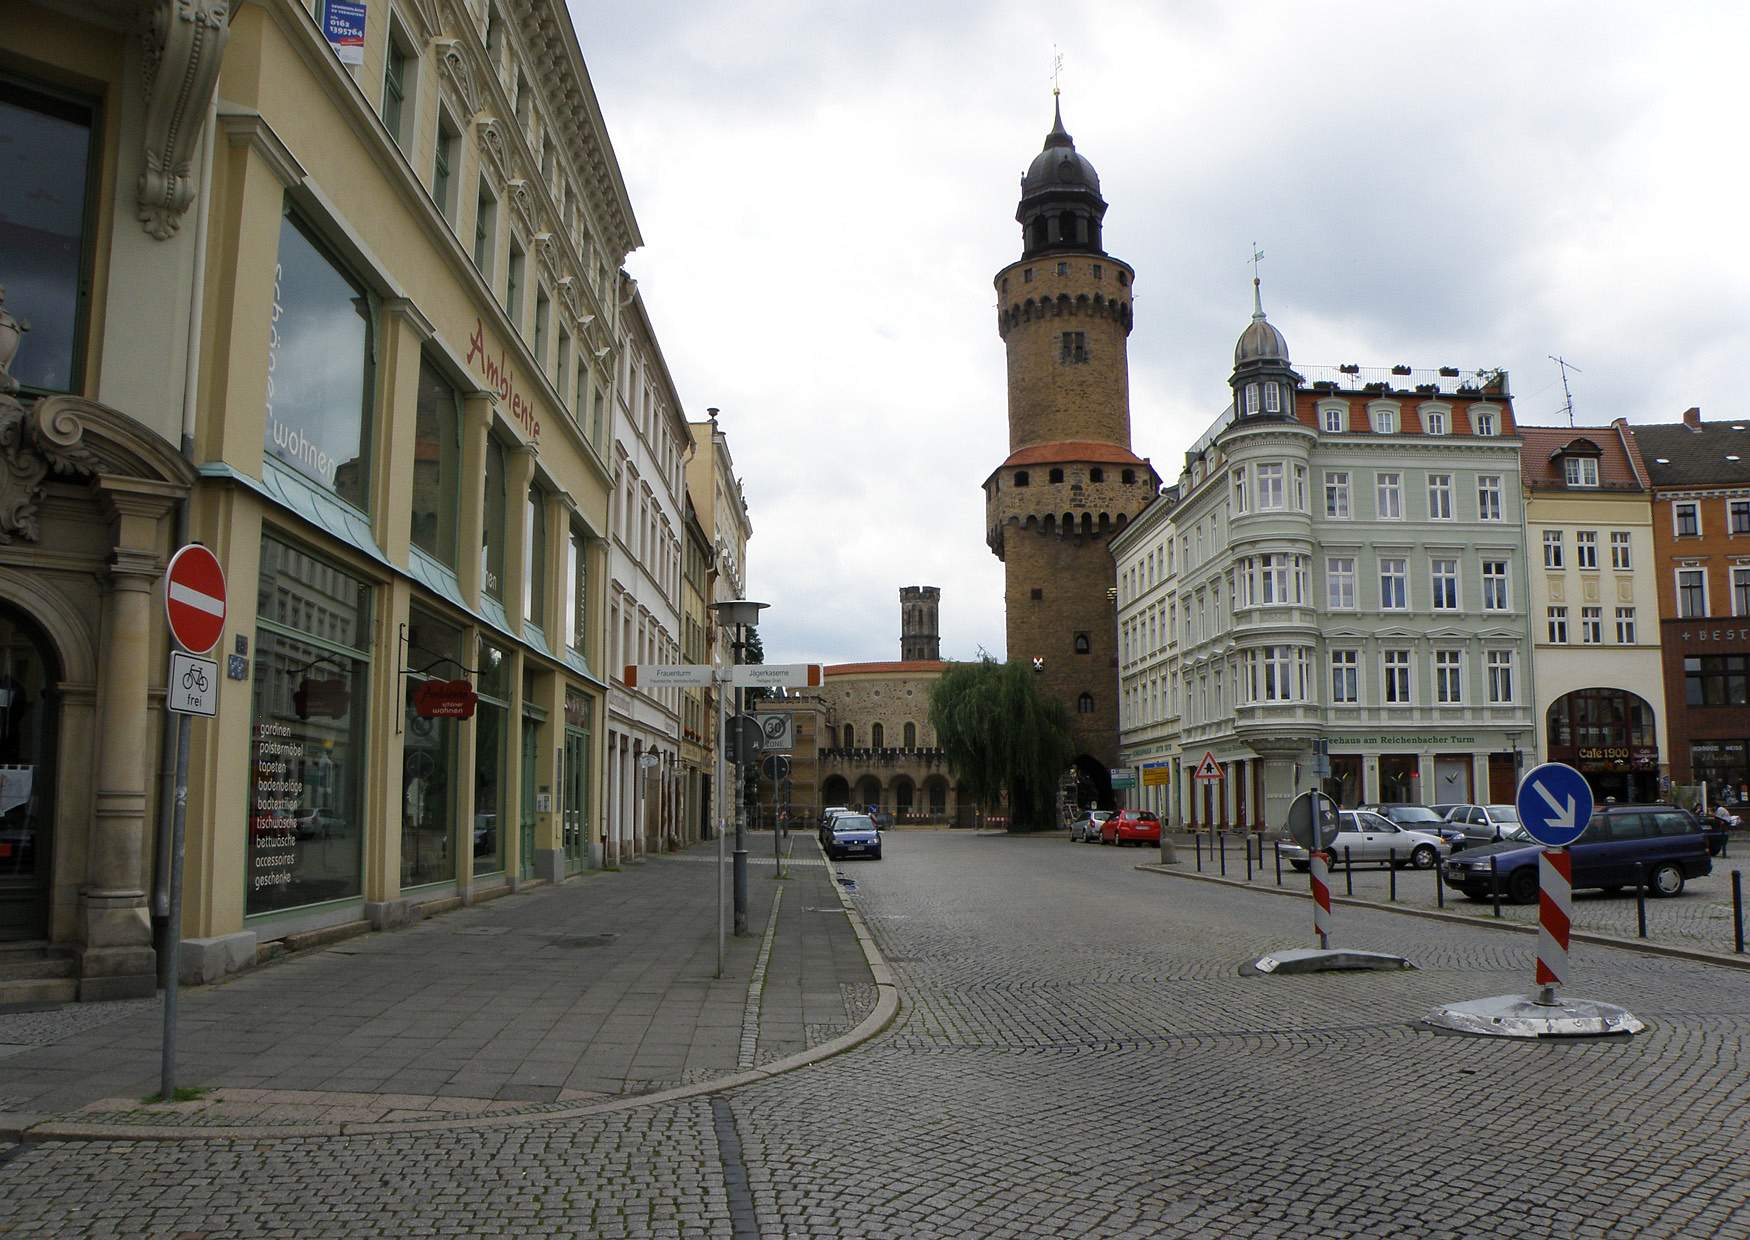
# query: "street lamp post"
740,615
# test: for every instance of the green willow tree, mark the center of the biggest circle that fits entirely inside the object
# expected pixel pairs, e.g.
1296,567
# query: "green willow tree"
999,732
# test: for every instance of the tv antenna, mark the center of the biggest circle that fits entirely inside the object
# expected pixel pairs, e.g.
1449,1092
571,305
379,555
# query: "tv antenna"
1567,396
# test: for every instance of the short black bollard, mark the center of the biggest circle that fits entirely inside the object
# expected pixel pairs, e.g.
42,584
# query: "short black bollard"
1495,882
1641,898
1439,888
1738,912
1279,866
1348,872
1394,875
1197,846
1247,841
1223,836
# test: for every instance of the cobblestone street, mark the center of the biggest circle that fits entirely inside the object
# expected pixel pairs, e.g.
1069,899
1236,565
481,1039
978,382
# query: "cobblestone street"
1077,1054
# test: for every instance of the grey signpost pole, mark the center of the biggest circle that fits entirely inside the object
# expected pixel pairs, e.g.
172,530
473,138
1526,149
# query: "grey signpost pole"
173,936
722,738
739,615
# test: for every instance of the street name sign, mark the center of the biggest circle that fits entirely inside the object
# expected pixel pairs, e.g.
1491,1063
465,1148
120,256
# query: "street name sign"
667,675
194,598
776,675
1555,804
194,685
1209,768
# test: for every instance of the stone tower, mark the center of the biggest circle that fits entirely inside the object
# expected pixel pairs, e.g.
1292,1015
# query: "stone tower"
1070,481
920,632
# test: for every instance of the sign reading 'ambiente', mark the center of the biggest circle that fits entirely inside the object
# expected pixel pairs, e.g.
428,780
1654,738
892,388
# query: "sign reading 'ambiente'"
497,373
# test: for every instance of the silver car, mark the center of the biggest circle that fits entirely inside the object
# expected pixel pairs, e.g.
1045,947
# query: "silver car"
1373,838
1086,829
1483,824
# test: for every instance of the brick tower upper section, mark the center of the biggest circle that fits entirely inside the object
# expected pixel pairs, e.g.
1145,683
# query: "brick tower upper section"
920,634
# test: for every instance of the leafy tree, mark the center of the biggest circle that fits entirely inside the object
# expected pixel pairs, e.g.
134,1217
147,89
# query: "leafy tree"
998,731
753,650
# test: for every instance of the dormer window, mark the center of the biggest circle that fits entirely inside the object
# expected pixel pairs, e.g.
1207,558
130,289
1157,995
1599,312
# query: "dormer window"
1332,419
1272,398
1251,398
1485,422
1434,421
1385,421
1582,471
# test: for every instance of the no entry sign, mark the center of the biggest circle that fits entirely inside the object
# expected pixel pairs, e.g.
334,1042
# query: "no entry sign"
194,598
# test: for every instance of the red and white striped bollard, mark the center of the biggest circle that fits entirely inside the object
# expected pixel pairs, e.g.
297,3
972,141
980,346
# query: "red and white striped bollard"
1555,913
1318,867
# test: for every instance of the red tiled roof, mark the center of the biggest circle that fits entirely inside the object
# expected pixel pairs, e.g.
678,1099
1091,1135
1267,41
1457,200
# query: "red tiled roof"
906,665
1065,450
1306,410
1542,471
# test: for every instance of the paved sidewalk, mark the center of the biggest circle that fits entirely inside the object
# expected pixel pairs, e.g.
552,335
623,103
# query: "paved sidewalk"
596,989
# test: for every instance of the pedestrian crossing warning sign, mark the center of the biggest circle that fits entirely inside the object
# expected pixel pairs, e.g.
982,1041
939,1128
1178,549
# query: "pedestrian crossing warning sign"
1209,768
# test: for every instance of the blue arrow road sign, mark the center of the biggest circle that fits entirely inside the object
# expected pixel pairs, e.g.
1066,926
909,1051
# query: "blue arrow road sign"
1555,804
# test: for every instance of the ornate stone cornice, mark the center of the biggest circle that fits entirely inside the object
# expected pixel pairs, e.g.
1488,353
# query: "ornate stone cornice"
33,444
251,129
182,42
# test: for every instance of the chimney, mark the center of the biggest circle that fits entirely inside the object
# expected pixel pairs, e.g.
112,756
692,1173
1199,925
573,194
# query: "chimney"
1692,417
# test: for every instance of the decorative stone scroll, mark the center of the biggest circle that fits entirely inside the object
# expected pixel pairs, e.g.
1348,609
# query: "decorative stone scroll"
34,443
182,43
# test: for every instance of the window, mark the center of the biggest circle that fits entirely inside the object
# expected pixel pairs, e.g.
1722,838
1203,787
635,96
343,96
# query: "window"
1591,625
1300,488
437,448
1691,593
1489,497
1741,591
1434,421
1074,347
877,736
491,756
1586,548
543,313
1251,398
1444,574
45,196
1082,644
485,231
562,371
911,735
1688,519
1021,478
1345,677
1056,475
1241,491
1394,585
1581,471
1337,495
1740,516
1272,398
1449,677
1331,418
1273,579
492,527
1621,558
1389,489
1552,549
1717,680
1558,625
535,558
1625,626
1340,583
443,169
513,285
1495,597
1085,704
1440,497
1484,419
1385,421
319,371
1500,666
397,85
1270,487
1395,669
1271,675
1096,474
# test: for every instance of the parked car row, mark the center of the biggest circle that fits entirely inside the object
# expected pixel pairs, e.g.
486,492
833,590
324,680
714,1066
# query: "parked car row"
1125,826
1369,838
1622,846
846,833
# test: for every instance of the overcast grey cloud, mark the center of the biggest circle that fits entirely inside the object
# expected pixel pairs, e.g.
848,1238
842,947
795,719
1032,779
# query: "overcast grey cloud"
826,191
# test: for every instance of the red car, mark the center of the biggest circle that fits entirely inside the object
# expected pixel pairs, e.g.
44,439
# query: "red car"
1131,826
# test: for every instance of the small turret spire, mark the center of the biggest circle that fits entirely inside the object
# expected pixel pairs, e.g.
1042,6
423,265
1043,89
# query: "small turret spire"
1257,285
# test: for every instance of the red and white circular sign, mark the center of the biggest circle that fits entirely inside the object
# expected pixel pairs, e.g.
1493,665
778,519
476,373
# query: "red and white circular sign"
194,598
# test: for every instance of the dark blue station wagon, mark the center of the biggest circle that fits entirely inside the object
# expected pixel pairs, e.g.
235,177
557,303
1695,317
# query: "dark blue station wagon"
1664,841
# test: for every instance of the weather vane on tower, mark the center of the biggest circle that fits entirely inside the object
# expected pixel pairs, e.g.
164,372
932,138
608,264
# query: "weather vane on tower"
1056,71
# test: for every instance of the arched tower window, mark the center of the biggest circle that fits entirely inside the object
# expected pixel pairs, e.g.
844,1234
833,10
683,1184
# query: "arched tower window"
1021,478
911,736
1083,645
876,736
1128,476
1096,475
1085,704
850,736
1057,475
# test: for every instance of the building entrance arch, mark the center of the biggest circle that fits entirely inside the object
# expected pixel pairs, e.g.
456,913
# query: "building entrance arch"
835,791
1611,737
868,791
1093,784
30,675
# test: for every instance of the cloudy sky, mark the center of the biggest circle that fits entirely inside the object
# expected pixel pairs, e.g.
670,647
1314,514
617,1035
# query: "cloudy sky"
827,189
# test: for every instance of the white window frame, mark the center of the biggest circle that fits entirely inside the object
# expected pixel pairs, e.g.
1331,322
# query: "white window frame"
1333,419
1345,675
1435,421
1554,556
1383,419
1491,493
1504,577
1241,491
1677,525
1592,626
1392,664
1440,497
1340,583
1273,579
1484,422
1394,488
1251,398
1735,579
1438,579
1337,488
1272,486
1706,610
1299,475
1558,625
1625,626
1622,551
1500,665
1586,550
1272,398
1581,471
1732,509
1449,677
1401,575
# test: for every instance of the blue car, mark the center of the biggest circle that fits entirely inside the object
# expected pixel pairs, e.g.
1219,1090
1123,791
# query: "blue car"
854,835
1623,844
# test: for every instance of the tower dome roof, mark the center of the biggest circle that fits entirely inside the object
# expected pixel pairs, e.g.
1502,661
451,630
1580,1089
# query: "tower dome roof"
1058,166
1260,342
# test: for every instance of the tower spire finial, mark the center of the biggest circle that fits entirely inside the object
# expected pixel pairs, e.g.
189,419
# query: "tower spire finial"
1257,284
1056,72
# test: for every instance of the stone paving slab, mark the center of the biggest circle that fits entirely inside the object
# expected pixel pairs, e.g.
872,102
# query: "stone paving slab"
596,989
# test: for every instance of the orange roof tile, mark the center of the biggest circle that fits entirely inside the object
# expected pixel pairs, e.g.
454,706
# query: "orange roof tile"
1543,472
899,665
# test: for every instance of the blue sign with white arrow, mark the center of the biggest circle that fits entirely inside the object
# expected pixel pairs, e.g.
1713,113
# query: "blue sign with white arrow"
1555,804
